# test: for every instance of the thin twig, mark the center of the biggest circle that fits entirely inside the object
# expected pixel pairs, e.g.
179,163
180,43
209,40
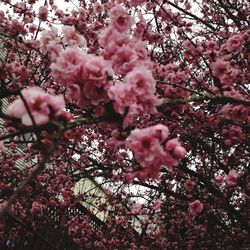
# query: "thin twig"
182,87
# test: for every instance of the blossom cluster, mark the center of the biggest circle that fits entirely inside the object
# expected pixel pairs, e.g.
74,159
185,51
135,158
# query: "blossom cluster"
128,57
38,107
119,59
85,76
195,207
230,180
135,95
153,151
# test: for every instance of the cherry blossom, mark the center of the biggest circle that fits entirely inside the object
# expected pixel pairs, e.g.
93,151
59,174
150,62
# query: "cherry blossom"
124,124
146,145
120,19
235,43
71,37
40,106
195,207
43,13
231,179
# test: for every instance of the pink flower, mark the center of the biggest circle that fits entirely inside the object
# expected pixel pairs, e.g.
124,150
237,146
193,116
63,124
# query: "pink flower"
174,152
212,45
234,43
95,73
140,49
236,133
137,2
220,68
37,207
124,60
86,76
137,94
141,81
120,19
71,37
1,146
146,146
48,36
219,179
195,207
112,38
231,179
68,66
54,49
160,132
157,205
73,92
41,105
98,8
32,28
189,184
136,209
97,70
43,13
123,96
95,93
188,6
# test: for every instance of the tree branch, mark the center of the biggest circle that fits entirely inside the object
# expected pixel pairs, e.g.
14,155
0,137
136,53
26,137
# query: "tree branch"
211,98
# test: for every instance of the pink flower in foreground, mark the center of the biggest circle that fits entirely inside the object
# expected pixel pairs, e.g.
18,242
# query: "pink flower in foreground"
120,19
231,179
87,77
160,132
95,74
54,49
124,60
195,207
41,105
68,66
146,145
141,81
97,70
73,93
